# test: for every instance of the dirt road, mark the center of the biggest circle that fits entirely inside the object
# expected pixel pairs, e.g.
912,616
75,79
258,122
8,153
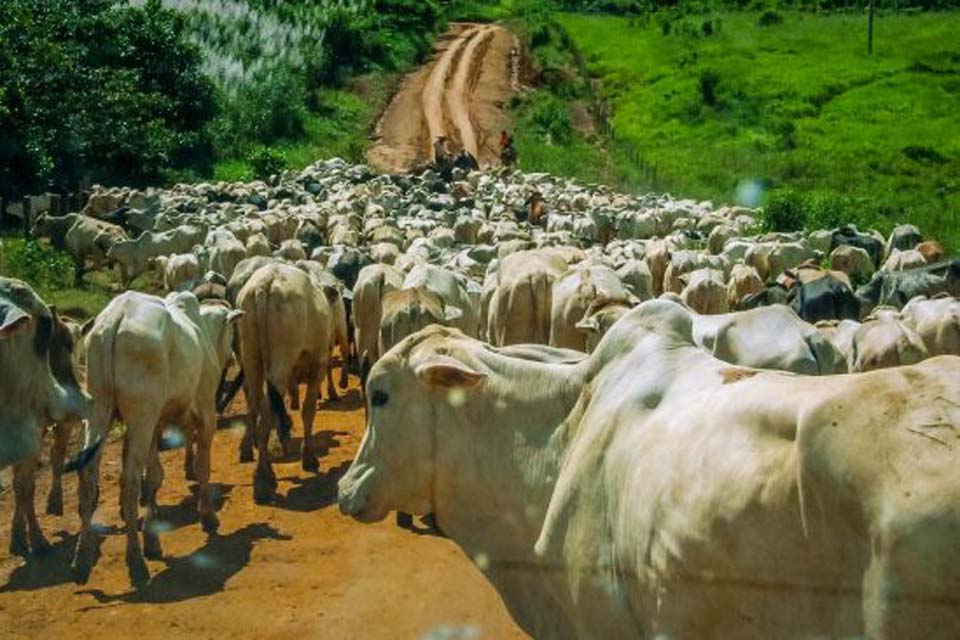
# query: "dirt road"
294,570
459,94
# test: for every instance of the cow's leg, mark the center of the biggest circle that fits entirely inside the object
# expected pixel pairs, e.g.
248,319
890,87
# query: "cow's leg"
294,392
264,479
259,426
189,458
151,485
61,438
309,457
141,433
88,495
249,434
205,428
345,361
25,532
331,387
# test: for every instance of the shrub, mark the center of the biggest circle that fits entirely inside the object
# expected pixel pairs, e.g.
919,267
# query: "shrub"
266,162
784,211
769,18
709,80
42,266
551,117
923,154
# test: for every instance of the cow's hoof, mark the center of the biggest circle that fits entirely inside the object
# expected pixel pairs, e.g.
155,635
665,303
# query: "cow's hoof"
152,550
139,573
310,463
262,494
80,571
18,544
246,455
209,522
404,520
54,505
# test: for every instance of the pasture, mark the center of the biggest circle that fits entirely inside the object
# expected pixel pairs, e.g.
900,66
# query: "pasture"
727,109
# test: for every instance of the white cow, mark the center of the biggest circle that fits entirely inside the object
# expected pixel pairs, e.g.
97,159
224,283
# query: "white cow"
452,290
30,395
937,322
655,490
285,338
520,305
179,272
373,283
224,252
573,293
704,291
744,281
151,362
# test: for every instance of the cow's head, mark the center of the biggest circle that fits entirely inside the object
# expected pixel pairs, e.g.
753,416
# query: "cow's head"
30,395
416,389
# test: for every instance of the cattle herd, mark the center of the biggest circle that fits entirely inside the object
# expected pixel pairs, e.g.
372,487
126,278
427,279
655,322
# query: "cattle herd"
640,416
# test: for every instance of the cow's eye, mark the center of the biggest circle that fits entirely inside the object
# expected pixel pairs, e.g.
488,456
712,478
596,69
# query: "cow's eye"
378,399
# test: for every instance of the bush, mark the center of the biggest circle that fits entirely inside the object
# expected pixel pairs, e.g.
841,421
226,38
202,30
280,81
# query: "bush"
551,117
266,162
769,18
42,266
784,211
709,80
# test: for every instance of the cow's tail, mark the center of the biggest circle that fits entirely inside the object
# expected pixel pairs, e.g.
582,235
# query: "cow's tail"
274,397
101,383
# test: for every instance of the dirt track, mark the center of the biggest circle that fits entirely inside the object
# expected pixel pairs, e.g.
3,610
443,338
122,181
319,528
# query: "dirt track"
294,570
459,94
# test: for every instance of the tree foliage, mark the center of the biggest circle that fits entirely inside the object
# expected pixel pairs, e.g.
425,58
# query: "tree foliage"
100,90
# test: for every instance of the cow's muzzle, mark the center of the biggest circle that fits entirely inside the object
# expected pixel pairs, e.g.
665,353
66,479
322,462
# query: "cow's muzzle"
353,494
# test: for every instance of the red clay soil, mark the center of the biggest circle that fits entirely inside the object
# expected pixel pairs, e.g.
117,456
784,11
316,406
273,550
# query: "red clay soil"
459,94
297,569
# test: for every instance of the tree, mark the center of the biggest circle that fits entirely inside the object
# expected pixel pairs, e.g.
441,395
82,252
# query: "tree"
99,89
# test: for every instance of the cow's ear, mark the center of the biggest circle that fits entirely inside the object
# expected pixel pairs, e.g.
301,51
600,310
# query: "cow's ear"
233,315
447,373
12,319
589,325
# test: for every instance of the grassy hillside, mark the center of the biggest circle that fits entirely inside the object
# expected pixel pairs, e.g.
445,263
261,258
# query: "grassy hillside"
747,109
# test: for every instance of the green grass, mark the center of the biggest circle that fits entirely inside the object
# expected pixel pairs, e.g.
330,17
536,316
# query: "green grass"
50,273
340,128
798,106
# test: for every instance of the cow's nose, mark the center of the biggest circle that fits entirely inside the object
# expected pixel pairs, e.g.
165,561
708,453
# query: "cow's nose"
351,502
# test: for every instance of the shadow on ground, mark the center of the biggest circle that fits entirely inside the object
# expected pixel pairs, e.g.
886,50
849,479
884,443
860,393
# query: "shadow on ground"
48,570
312,493
202,573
